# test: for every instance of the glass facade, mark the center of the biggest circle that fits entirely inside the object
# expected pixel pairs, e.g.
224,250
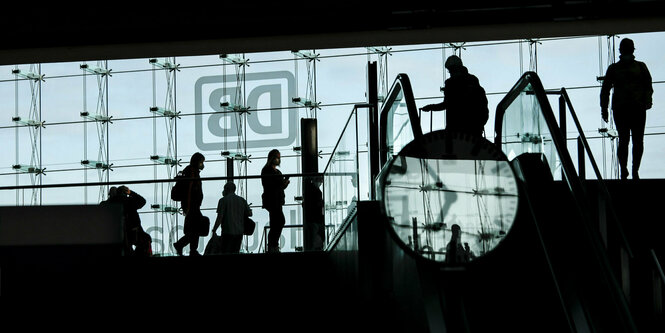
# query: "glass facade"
71,128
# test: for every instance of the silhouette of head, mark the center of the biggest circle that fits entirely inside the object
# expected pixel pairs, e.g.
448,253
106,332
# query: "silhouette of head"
196,161
229,187
274,157
113,191
453,62
122,190
626,46
456,230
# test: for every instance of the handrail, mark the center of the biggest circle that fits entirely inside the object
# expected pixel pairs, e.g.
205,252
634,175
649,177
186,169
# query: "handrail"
596,170
149,181
658,266
334,239
402,81
572,179
353,113
346,124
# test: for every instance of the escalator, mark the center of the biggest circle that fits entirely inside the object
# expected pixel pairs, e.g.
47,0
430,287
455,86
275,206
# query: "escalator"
534,260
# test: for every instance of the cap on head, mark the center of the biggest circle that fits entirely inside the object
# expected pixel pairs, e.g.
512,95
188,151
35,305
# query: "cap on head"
453,61
626,46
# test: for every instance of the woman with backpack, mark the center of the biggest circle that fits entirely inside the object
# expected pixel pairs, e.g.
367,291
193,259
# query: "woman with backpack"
191,206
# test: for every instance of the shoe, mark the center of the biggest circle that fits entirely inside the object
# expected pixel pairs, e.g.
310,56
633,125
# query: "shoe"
178,249
273,250
194,254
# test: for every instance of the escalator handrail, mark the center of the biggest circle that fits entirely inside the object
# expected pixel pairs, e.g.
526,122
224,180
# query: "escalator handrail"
348,220
657,266
572,179
404,84
566,162
346,125
601,181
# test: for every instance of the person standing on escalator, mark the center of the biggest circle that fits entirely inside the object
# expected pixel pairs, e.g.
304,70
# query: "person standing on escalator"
464,99
631,98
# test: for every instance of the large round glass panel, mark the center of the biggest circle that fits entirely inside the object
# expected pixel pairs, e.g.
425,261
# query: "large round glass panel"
451,208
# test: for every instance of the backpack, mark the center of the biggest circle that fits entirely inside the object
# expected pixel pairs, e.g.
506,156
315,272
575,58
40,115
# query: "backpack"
481,109
179,189
478,104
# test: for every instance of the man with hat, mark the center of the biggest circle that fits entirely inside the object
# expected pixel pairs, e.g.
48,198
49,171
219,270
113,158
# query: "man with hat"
631,98
464,99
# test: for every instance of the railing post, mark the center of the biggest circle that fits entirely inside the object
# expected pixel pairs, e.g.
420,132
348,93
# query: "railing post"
312,204
562,123
373,123
580,159
229,169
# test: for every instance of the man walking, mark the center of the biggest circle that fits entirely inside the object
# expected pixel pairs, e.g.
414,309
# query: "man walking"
631,98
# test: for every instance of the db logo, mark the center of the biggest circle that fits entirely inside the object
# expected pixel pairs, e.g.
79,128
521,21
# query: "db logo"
271,121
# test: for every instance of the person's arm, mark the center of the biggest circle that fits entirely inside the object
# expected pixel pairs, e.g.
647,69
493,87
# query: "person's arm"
137,200
435,107
188,201
648,87
220,216
608,82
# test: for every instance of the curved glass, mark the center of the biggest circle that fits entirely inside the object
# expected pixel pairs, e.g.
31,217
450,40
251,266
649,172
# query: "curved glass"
426,198
523,127
398,127
399,123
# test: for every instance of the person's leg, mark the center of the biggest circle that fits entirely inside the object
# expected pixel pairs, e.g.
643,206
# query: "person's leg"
237,243
226,243
186,239
623,128
180,244
277,222
637,130
194,245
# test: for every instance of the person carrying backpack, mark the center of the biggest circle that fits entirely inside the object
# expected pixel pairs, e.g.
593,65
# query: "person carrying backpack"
191,206
464,100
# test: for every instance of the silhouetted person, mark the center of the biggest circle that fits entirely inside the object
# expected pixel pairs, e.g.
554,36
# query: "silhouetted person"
273,197
232,210
455,252
631,99
468,253
464,99
191,206
137,242
315,217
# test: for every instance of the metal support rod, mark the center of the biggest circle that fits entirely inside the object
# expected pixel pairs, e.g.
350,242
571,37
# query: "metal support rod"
373,123
580,159
562,123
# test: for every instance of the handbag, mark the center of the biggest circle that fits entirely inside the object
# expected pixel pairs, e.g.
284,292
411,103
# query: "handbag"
214,245
250,225
203,227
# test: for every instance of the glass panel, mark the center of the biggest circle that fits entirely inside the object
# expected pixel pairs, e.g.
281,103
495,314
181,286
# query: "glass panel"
426,198
398,124
341,178
524,130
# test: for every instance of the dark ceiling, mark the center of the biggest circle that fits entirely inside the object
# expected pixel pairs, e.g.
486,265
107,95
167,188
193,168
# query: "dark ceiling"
59,32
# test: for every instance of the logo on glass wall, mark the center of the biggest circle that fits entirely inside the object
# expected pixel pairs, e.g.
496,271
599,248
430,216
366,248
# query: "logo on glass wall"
270,121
